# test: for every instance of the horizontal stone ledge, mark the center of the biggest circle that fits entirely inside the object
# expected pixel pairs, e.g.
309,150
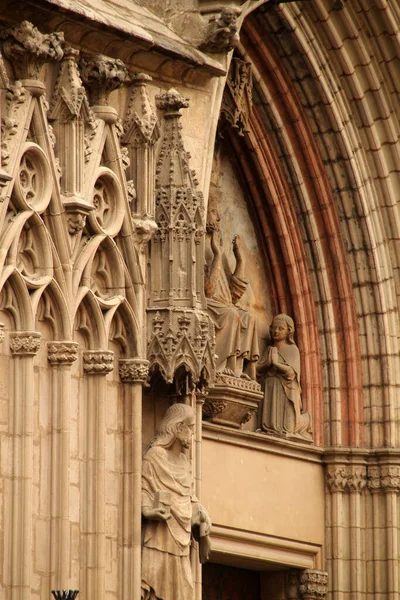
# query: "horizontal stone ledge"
133,31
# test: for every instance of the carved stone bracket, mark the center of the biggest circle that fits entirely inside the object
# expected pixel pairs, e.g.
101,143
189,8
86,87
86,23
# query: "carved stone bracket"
102,75
237,100
313,584
29,49
98,362
232,401
133,370
24,343
62,352
346,478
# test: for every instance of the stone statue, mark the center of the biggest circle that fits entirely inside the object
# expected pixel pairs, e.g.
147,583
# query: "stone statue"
281,411
235,328
222,33
171,511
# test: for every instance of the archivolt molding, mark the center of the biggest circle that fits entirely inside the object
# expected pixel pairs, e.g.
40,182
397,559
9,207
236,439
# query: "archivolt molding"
331,74
353,117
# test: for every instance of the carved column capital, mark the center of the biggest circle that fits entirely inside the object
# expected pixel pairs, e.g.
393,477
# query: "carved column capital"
356,478
2,333
98,362
171,102
346,478
102,75
65,594
62,352
384,477
29,49
133,370
313,584
24,342
336,478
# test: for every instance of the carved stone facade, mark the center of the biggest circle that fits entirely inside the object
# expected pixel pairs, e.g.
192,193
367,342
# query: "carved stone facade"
123,124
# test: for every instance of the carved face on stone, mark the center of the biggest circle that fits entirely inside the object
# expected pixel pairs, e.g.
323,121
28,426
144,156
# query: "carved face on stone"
213,217
186,432
229,15
282,328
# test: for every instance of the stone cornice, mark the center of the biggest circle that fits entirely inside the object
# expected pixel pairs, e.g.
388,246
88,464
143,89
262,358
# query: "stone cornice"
134,33
261,442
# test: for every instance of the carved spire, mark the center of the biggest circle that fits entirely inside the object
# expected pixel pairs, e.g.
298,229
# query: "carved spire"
29,49
141,131
72,115
180,327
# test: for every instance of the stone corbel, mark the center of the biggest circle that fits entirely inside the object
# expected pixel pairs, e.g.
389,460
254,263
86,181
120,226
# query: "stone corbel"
98,362
28,49
232,401
313,584
24,343
133,370
102,75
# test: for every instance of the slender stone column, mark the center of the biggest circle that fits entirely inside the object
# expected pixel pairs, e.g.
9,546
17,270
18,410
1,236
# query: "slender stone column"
61,355
96,364
384,483
133,372
337,483
23,345
197,479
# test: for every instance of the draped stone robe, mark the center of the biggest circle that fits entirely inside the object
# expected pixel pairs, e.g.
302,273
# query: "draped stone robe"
166,567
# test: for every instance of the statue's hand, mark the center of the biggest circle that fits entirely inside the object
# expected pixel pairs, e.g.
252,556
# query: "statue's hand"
237,247
274,356
216,241
156,514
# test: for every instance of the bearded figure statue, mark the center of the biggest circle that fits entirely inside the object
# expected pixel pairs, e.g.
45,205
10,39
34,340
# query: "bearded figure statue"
235,328
172,515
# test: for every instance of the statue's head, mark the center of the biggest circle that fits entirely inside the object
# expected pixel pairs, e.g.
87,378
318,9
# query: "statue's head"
282,325
213,216
178,423
229,14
